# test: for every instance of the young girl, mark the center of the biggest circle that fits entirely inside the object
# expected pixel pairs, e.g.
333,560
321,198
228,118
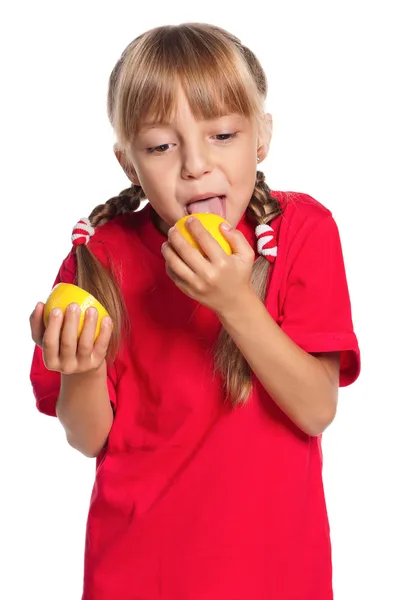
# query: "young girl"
205,398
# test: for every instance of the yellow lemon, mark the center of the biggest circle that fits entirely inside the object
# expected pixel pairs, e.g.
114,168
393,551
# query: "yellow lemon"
210,222
64,294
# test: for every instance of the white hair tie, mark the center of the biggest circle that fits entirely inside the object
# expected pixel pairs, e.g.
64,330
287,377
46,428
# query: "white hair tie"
266,242
82,232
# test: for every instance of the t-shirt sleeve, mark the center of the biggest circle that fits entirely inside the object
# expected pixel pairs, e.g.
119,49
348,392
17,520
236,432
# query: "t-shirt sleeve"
316,310
45,383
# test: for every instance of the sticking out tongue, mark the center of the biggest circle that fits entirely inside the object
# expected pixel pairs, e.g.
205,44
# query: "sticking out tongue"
214,205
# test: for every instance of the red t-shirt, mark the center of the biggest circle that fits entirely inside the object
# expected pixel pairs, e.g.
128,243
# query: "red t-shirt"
194,500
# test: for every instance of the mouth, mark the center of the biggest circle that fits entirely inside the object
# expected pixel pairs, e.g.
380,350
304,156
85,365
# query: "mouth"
207,203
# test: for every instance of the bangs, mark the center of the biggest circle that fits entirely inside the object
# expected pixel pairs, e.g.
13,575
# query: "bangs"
212,74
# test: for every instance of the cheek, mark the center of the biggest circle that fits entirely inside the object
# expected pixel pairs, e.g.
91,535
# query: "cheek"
244,179
160,192
243,166
155,187
156,181
156,176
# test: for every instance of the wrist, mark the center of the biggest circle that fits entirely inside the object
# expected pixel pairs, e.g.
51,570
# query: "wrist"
92,374
240,307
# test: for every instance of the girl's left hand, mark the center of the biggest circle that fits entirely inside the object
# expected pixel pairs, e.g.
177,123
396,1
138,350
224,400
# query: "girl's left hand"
214,280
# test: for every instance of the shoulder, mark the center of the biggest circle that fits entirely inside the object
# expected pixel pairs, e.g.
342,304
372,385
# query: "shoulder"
119,229
299,209
112,245
304,221
116,239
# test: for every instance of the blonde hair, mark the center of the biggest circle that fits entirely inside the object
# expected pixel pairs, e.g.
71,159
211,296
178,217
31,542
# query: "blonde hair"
218,75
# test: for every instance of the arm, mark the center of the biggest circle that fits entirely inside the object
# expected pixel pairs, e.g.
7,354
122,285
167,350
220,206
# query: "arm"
76,387
85,411
298,362
305,387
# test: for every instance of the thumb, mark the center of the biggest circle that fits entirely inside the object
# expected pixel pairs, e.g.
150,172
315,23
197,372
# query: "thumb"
37,324
236,239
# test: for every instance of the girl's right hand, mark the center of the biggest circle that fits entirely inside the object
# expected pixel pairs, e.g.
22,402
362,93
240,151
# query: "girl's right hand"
62,351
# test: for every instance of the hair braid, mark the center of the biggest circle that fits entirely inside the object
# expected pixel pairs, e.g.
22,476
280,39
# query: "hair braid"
229,361
128,200
101,283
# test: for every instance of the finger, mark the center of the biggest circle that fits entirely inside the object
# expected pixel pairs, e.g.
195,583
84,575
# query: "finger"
177,280
85,343
206,241
237,241
51,339
176,265
180,283
68,343
37,324
102,343
190,255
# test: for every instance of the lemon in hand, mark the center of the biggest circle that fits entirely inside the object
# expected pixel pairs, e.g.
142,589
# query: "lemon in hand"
212,223
64,294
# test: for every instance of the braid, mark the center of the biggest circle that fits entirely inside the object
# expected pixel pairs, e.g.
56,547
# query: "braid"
263,207
228,359
104,283
128,200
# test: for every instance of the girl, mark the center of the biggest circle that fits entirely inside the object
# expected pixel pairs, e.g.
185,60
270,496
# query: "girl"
205,398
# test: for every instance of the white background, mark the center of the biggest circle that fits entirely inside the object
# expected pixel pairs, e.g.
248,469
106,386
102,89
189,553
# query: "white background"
333,95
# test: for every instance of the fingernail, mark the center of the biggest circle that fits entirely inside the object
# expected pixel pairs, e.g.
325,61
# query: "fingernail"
56,312
73,307
171,229
226,226
189,220
106,321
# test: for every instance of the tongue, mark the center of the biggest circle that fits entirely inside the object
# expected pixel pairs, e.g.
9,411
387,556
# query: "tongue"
210,205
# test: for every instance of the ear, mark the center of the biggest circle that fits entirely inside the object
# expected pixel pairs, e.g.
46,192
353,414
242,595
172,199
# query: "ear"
264,136
126,165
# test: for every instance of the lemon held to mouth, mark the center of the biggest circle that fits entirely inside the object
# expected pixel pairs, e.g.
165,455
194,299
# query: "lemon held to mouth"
211,223
64,294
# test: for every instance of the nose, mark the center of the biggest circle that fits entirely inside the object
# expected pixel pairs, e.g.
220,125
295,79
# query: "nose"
196,162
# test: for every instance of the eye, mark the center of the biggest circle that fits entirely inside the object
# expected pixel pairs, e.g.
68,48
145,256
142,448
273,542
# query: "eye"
225,137
158,149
